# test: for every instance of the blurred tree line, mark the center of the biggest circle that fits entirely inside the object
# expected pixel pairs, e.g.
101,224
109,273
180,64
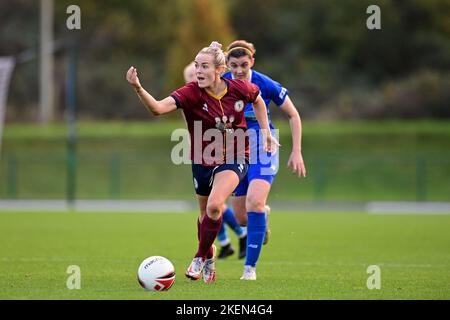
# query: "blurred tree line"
321,50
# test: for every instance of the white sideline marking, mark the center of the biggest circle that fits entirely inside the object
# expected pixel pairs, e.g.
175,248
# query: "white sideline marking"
182,206
99,205
402,207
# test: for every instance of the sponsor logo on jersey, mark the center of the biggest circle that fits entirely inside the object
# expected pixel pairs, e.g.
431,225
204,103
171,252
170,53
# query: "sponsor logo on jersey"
282,93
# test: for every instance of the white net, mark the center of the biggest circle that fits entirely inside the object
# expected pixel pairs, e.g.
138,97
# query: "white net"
6,68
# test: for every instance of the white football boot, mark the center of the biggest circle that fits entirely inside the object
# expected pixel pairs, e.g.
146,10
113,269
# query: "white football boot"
249,273
209,270
195,270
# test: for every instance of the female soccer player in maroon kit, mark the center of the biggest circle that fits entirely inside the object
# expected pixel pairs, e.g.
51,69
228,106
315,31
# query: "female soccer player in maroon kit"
212,105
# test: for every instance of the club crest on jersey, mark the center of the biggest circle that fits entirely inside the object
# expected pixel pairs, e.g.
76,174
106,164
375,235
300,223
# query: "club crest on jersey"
239,106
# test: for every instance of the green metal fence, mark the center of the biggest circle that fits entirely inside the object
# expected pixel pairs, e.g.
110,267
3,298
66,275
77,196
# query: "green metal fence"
120,176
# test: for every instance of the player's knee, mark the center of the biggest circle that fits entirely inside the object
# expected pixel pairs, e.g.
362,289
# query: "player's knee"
214,208
254,204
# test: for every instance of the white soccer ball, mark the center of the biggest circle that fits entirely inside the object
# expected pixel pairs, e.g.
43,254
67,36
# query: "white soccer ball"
156,273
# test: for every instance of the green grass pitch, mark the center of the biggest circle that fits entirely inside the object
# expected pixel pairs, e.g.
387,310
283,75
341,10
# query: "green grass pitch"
311,255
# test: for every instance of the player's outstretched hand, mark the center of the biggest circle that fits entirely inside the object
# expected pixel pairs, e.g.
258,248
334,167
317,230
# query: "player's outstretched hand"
297,164
132,77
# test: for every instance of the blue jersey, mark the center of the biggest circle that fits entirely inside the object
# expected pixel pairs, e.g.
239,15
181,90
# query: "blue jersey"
270,91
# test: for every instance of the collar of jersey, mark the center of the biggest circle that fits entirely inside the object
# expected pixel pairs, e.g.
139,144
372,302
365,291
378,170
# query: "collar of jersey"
220,95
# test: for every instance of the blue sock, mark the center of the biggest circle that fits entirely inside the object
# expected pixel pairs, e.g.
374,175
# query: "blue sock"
229,219
256,228
222,236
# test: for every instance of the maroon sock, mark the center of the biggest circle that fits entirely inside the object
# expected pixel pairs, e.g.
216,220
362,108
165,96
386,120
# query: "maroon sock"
210,253
208,232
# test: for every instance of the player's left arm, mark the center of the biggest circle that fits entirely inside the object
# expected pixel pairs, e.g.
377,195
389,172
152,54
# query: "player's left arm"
260,110
296,159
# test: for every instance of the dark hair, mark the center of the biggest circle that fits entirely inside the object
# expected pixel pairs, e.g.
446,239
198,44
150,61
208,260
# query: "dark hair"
240,48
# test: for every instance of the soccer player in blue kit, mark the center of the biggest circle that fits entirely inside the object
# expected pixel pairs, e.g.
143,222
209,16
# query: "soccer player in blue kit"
249,203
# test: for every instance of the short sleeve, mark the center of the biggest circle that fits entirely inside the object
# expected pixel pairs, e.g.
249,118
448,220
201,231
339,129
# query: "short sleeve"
185,96
248,90
253,91
277,92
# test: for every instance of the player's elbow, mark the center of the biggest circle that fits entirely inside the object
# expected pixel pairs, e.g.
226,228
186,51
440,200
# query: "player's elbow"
156,112
296,116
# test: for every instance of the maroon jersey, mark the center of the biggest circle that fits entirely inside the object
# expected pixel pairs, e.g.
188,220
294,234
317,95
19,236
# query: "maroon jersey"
216,116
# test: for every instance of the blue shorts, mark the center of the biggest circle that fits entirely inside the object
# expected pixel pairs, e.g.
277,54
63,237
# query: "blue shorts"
254,172
263,165
204,175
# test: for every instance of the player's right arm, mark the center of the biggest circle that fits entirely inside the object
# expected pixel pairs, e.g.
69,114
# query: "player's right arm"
155,107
